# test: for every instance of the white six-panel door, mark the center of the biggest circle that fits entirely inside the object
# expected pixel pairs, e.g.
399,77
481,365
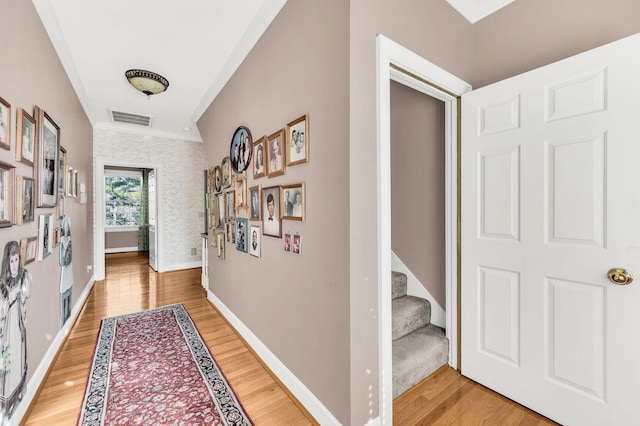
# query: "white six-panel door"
551,202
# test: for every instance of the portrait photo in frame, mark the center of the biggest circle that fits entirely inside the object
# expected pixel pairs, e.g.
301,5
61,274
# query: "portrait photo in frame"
241,149
220,243
287,242
241,193
254,243
24,200
46,168
62,165
7,188
226,172
255,203
231,204
45,235
231,235
271,224
5,124
296,247
220,209
259,169
28,250
217,179
298,141
293,202
25,137
56,237
275,154
242,227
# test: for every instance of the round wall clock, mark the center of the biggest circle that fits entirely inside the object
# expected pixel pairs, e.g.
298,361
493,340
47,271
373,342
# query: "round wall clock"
241,149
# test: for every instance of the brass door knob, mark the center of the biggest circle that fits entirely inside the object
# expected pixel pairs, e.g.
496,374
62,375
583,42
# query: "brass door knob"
620,276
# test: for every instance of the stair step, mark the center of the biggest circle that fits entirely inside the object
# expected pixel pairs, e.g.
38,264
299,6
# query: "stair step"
417,355
398,284
409,313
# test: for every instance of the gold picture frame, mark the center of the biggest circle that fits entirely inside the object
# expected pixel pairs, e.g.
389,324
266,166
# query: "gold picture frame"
298,141
292,201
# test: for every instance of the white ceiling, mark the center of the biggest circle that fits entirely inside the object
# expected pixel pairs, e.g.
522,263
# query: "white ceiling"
196,44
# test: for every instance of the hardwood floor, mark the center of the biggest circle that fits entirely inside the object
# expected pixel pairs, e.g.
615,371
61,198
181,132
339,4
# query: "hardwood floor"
130,286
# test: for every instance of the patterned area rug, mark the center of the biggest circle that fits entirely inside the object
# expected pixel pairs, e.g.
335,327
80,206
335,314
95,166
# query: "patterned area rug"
153,368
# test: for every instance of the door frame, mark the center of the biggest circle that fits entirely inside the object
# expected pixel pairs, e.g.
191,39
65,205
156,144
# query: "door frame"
395,62
98,208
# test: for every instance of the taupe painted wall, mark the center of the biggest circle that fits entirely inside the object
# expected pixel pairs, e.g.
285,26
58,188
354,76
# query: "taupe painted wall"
297,305
417,186
31,74
114,240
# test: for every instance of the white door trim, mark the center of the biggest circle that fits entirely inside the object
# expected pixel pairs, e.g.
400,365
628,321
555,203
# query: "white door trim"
98,208
390,53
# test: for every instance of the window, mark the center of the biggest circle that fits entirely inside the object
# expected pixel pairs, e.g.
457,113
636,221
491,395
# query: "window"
122,198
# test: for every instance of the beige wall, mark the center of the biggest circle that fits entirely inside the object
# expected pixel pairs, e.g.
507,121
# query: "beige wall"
298,306
31,74
116,240
417,186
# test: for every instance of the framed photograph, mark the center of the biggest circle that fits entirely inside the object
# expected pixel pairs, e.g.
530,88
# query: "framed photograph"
217,179
255,206
60,206
5,124
226,172
220,208
287,242
258,158
7,188
242,227
220,243
45,235
48,148
293,203
24,199
26,133
62,165
296,247
28,249
298,141
56,237
241,193
231,235
275,154
241,149
254,245
73,182
271,212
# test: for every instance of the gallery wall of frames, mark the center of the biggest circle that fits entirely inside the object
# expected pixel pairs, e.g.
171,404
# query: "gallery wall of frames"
241,216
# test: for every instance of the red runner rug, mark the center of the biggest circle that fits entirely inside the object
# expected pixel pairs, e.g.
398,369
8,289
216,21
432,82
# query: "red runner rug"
153,368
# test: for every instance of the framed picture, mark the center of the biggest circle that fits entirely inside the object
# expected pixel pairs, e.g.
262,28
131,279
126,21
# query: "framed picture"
242,226
26,132
255,207
231,204
217,179
60,206
271,209
73,182
226,172
254,245
258,158
45,231
293,203
7,188
220,208
48,148
297,241
220,243
287,242
241,149
62,165
24,199
231,235
298,141
275,154
241,193
5,124
28,249
56,237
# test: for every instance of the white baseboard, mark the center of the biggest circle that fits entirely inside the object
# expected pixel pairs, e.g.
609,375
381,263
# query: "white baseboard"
297,388
120,249
38,376
374,422
179,266
415,288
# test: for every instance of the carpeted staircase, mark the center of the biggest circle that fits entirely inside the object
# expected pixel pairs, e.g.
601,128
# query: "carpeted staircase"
419,347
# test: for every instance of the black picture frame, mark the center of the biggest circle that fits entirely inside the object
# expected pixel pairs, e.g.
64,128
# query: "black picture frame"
241,149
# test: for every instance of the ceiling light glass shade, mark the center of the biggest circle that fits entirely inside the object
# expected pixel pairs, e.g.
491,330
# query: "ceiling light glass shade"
147,82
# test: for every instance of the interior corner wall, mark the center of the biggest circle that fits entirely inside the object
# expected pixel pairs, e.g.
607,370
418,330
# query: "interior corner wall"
120,240
181,215
31,74
417,186
529,34
433,30
297,305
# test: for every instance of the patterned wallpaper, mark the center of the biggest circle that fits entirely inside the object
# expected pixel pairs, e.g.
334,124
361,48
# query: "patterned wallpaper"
181,186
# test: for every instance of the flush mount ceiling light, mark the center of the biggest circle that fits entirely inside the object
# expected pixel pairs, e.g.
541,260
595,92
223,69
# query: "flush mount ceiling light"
147,82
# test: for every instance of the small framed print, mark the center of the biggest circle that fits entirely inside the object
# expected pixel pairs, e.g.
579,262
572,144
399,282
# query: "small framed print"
56,237
271,212
231,204
254,245
255,206
45,235
231,235
275,154
5,124
292,202
220,209
62,178
28,249
241,193
26,133
217,179
24,200
287,242
259,169
297,244
48,148
242,226
298,141
7,188
226,172
220,243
